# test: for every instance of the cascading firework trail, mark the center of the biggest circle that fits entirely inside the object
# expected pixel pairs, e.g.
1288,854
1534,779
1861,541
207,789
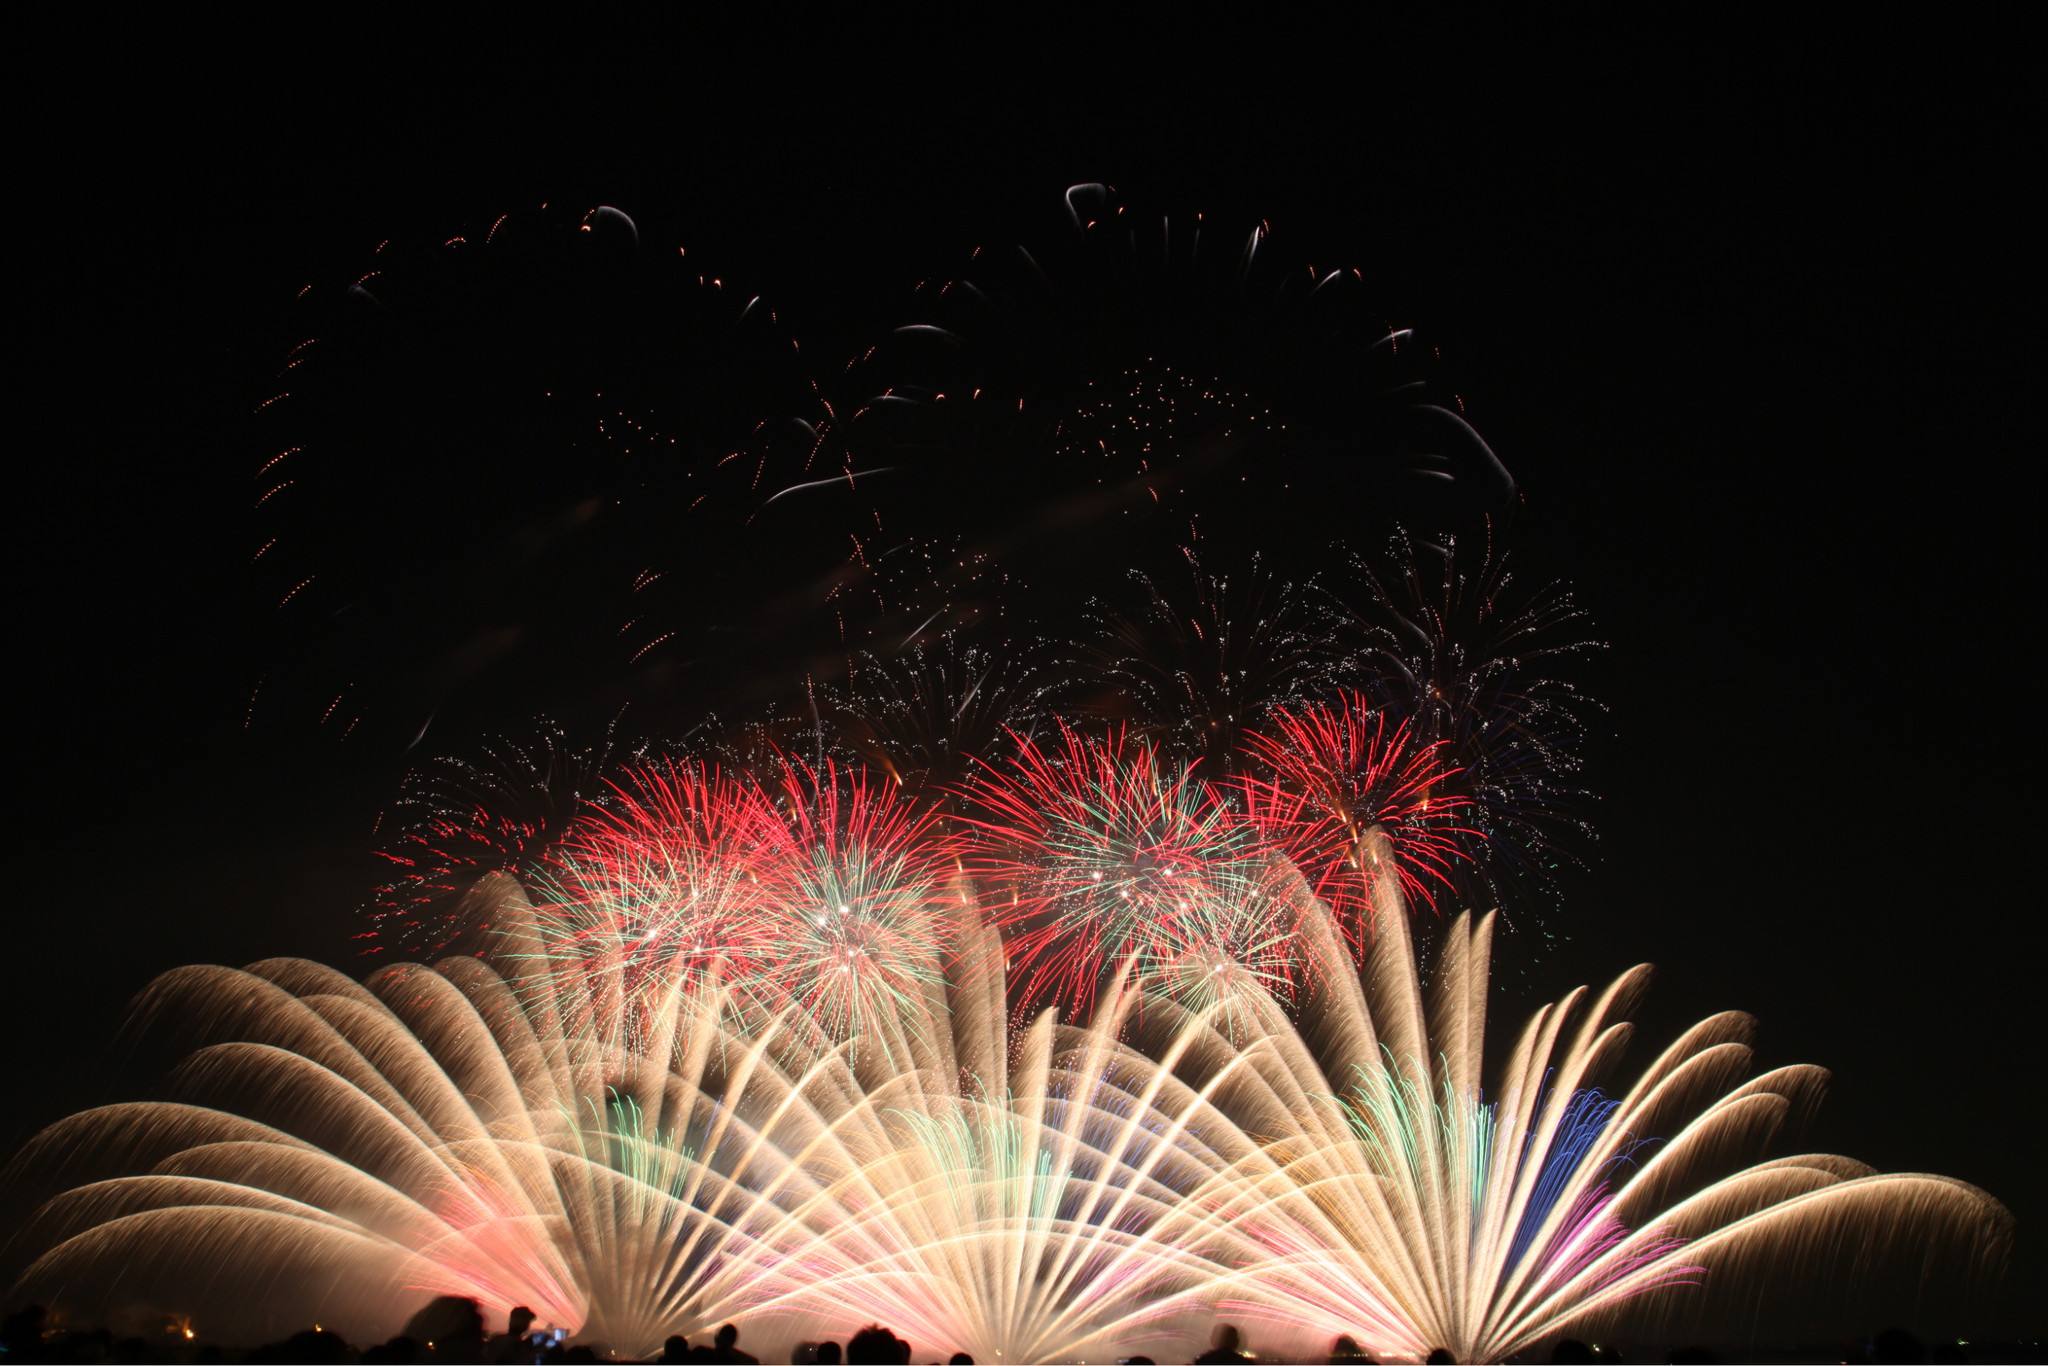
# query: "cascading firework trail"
342,1152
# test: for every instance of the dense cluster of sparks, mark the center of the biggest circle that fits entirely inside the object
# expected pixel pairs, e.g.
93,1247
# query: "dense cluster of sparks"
637,1161
1263,713
831,885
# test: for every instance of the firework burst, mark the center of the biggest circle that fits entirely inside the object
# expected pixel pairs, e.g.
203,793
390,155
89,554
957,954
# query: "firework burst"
1101,853
856,900
1330,772
1473,663
459,818
677,495
1199,669
658,891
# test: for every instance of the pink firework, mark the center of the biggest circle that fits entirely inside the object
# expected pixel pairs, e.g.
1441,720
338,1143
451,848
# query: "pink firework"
1333,772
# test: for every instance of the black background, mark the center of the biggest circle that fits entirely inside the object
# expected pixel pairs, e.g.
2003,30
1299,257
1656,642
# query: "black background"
1754,315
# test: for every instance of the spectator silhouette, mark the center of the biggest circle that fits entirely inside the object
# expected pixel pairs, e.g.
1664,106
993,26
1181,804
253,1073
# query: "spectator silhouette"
676,1350
1345,1351
451,1326
728,1350
875,1345
400,1351
1441,1357
516,1345
1225,1348
959,1359
828,1353
313,1347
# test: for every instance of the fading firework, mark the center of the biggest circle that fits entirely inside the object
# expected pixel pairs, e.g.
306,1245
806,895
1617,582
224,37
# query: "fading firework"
1478,666
927,717
458,819
1198,669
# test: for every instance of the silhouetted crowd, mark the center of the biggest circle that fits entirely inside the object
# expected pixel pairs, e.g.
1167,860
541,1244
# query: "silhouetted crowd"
452,1330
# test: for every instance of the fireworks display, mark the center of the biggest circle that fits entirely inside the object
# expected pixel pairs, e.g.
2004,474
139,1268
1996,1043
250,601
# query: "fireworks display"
340,1152
1054,913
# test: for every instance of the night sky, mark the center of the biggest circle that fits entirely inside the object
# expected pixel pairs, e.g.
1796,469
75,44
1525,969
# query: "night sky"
1752,315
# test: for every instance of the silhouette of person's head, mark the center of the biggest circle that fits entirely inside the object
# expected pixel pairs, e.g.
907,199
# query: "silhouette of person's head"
727,1336
1573,1351
519,1322
1227,1338
1441,1357
453,1324
676,1349
959,1359
1346,1349
873,1345
828,1353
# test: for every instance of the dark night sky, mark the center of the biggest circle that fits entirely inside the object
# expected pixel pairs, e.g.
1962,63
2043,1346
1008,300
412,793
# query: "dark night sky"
1754,318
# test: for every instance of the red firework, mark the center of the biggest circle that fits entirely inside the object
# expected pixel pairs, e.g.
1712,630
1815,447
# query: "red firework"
1094,854
1335,771
665,883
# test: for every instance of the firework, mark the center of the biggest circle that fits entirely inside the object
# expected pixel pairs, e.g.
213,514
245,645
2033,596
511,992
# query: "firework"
1428,1214
551,447
1163,360
1330,772
659,890
1474,664
459,818
1198,670
1102,853
341,1152
857,900
925,718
